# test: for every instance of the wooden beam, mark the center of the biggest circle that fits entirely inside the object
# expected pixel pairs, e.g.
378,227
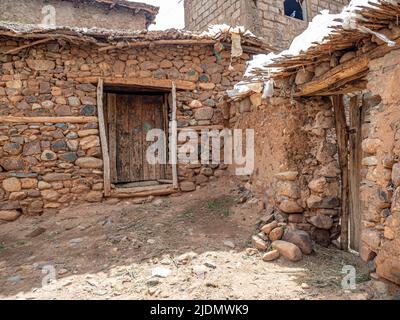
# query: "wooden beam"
174,140
159,190
103,139
199,128
342,137
141,82
355,138
339,73
67,119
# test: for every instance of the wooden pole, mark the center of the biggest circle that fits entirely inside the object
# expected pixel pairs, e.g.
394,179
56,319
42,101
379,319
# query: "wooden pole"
354,172
103,139
174,140
342,135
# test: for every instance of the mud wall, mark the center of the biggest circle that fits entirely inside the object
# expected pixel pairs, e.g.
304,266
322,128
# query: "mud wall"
74,15
380,188
296,170
47,166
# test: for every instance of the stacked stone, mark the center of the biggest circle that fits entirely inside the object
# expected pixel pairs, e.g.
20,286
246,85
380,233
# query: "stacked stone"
304,186
46,166
380,185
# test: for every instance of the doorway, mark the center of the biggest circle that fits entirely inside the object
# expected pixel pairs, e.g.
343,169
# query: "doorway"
129,116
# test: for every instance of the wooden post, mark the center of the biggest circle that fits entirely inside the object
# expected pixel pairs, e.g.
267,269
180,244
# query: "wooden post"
174,140
342,135
103,139
354,173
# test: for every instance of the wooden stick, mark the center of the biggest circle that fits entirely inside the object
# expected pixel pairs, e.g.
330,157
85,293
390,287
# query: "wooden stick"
16,50
174,140
342,135
103,139
67,119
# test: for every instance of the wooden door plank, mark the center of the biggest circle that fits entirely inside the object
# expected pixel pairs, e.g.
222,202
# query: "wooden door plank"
112,134
103,139
174,139
342,136
136,138
123,141
354,173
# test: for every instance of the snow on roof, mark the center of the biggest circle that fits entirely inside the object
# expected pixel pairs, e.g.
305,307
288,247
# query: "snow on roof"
260,69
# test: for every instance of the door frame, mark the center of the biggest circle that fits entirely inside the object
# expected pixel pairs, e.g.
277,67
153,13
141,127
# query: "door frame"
112,82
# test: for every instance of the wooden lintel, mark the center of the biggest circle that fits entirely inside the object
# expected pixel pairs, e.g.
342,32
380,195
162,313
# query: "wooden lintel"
67,119
340,73
141,82
199,128
140,192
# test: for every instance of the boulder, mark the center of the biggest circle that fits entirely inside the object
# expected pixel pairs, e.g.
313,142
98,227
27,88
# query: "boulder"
276,234
347,56
40,65
371,146
271,256
287,176
11,185
318,185
322,68
259,243
321,221
204,113
303,76
89,163
269,227
300,238
9,215
94,196
187,186
288,188
288,250
290,206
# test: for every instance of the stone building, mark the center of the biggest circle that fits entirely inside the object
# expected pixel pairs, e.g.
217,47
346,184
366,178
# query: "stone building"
105,14
265,18
335,171
62,139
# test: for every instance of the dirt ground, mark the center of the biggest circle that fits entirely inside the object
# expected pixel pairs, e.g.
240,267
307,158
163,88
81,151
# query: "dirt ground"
194,243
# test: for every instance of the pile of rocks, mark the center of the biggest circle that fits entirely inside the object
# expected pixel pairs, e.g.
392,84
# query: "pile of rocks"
276,238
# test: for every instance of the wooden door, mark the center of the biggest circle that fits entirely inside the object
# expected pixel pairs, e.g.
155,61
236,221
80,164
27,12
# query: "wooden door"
130,117
355,138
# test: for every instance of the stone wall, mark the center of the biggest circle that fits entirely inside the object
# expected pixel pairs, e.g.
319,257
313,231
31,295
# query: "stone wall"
47,166
69,14
265,18
380,188
296,171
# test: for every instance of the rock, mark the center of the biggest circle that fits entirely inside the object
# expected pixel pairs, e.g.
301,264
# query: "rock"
321,221
94,196
52,177
259,243
288,188
303,76
347,56
296,218
205,113
229,244
271,256
300,238
48,155
37,232
186,257
42,185
322,68
89,163
74,242
50,195
207,86
281,217
160,272
318,185
12,148
321,236
87,132
316,202
290,206
366,254
210,265
305,286
32,148
11,164
396,174
276,234
269,227
370,161
200,271
195,104
371,146
29,183
9,215
59,145
74,101
187,186
287,176
12,185
288,250
372,239
40,65
68,157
